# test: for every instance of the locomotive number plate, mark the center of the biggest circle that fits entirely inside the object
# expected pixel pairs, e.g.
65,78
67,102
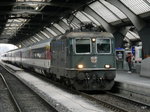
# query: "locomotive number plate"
94,59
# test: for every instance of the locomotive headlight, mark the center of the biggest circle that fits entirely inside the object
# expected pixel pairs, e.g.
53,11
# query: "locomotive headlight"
93,39
107,66
80,66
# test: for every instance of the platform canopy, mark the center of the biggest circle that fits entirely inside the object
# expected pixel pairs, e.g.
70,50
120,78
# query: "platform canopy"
25,22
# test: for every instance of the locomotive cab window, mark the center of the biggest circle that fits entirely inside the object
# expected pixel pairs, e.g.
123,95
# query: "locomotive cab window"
83,46
103,46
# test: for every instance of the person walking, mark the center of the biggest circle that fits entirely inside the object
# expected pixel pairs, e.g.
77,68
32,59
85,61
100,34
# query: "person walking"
129,61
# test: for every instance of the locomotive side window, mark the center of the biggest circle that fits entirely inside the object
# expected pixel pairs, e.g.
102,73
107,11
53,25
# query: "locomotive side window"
103,46
83,46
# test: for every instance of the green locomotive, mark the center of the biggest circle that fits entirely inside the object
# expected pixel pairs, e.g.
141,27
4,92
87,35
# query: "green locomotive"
84,60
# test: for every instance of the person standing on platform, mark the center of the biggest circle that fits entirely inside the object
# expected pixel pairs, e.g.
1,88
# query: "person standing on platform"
129,61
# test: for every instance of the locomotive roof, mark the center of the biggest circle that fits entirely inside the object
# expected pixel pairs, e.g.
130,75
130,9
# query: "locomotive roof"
89,34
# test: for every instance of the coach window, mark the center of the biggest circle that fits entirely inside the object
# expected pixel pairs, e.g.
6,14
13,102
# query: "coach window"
39,53
103,46
83,46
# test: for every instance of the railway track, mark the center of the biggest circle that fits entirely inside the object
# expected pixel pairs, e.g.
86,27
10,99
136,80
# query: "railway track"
114,102
133,92
6,97
109,100
119,103
19,97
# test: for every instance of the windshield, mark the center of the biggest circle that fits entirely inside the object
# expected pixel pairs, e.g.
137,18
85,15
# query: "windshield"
103,45
83,46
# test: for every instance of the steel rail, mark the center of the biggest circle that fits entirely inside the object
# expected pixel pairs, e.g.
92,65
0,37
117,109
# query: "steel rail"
127,99
105,104
11,94
10,70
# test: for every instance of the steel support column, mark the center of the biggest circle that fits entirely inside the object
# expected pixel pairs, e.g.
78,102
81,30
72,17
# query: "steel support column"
140,25
137,22
118,34
118,39
145,37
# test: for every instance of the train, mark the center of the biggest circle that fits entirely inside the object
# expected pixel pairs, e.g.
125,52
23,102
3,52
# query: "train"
83,60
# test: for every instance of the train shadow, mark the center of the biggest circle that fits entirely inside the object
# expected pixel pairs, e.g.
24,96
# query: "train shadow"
94,92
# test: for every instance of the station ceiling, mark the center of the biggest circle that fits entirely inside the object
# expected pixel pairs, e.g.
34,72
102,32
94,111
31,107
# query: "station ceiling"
25,22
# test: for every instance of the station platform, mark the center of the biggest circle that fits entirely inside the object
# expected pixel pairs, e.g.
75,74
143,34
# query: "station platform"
133,86
14,68
132,78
